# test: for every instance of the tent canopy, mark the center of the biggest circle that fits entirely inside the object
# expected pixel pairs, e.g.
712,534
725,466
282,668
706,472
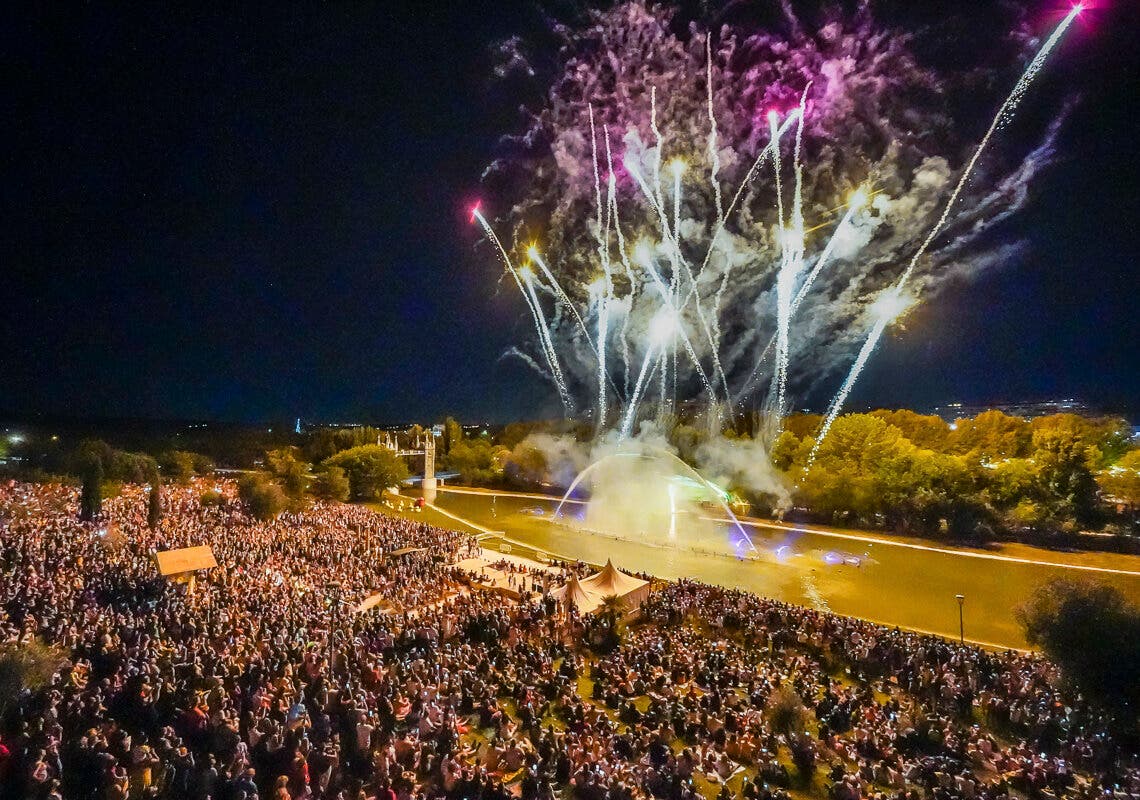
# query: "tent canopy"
573,592
612,582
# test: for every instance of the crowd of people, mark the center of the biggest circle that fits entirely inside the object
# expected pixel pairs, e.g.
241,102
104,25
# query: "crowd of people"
268,680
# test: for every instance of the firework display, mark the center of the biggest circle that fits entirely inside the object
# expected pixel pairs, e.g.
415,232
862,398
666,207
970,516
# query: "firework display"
729,216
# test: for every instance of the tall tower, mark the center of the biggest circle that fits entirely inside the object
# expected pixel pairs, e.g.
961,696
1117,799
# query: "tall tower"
429,484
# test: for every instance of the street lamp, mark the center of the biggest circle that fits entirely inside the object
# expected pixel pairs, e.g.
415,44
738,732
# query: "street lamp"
961,598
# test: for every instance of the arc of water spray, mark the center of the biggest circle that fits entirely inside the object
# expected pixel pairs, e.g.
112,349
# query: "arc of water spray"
658,453
1004,114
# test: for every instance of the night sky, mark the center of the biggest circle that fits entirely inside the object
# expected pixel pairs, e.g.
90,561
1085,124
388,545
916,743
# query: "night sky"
262,214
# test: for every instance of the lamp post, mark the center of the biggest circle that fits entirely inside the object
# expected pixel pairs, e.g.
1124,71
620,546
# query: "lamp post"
961,598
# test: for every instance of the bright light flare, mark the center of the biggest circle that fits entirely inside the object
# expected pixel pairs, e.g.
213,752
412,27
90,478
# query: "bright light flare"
858,199
676,167
475,209
892,304
643,254
662,328
532,253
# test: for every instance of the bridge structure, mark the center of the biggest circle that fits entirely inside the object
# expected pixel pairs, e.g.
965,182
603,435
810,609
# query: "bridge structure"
422,446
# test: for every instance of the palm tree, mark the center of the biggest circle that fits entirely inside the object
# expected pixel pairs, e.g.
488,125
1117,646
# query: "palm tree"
611,609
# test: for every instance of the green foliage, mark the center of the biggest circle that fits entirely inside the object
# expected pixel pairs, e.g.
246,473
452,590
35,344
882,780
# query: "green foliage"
925,431
211,498
1064,455
1121,481
994,473
992,435
178,465
116,465
290,472
181,465
785,712
332,484
1093,634
526,465
264,498
25,668
324,443
452,434
370,469
478,461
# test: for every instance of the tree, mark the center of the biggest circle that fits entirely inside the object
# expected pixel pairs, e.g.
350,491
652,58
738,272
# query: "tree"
787,714
332,484
784,451
178,465
992,436
526,464
25,668
91,496
452,434
1121,482
370,468
1093,634
154,503
478,461
262,497
803,425
1064,456
926,431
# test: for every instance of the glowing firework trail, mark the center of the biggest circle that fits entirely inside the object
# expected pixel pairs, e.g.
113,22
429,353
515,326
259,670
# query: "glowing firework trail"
764,155
536,257
535,311
677,328
774,127
611,200
756,165
1006,109
603,305
885,316
547,342
857,202
635,400
1004,115
660,149
678,169
714,155
791,264
678,261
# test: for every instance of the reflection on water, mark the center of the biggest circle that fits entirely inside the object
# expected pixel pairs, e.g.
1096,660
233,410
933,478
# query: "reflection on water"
878,581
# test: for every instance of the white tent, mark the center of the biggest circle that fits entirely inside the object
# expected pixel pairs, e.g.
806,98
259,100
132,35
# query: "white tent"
612,582
573,591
